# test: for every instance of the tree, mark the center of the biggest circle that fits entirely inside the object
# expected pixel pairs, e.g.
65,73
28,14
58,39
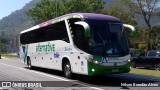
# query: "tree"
155,36
3,43
146,8
48,9
125,16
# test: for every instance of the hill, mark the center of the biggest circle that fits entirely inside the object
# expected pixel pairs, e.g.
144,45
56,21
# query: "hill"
18,20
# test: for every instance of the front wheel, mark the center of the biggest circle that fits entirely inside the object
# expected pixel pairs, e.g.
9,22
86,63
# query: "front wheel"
67,70
157,67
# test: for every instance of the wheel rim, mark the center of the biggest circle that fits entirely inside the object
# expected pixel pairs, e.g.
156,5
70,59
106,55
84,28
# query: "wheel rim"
157,67
67,70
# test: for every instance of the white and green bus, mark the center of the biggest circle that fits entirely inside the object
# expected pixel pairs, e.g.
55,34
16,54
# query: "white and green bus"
82,43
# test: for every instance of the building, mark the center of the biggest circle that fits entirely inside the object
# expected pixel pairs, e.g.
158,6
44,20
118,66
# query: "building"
15,42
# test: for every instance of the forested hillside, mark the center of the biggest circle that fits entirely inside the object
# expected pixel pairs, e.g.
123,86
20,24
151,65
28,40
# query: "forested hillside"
18,20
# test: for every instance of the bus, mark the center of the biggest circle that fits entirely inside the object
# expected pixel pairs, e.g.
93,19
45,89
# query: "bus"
82,43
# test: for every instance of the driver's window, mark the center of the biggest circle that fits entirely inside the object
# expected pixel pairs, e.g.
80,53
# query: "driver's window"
78,34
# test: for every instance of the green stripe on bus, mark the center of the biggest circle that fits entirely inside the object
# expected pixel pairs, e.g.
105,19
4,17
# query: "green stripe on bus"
102,70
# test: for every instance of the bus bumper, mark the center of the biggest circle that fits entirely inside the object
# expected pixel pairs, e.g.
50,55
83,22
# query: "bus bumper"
97,69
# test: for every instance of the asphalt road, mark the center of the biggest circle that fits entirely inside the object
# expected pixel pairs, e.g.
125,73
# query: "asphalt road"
12,70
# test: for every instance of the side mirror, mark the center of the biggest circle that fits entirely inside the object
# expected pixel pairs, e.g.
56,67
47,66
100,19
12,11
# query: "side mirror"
132,28
86,27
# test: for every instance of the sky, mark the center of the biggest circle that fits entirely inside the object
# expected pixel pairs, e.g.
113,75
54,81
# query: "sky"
9,6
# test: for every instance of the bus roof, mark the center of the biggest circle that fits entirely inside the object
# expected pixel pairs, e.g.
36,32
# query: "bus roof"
74,15
91,16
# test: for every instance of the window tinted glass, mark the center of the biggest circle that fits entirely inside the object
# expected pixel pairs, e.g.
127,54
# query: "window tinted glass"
107,38
152,53
78,34
55,31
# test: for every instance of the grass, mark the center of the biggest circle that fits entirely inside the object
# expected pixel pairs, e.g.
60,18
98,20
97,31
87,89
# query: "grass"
145,72
8,56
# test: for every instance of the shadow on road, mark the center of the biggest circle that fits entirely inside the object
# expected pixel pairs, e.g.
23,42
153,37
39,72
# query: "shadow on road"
110,80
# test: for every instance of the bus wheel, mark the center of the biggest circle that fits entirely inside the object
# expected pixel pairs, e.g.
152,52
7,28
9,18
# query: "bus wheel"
29,63
157,67
67,70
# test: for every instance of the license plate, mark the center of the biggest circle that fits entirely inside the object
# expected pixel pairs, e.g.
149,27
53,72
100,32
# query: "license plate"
115,70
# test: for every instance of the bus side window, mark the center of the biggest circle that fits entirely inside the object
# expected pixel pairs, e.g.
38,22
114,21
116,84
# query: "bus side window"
22,39
25,38
57,31
79,37
78,34
52,32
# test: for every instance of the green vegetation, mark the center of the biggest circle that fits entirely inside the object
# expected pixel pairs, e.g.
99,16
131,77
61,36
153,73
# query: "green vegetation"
53,8
147,9
145,72
144,14
3,43
126,10
9,55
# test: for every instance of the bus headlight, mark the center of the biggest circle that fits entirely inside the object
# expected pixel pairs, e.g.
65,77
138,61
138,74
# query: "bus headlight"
93,70
129,60
89,57
96,62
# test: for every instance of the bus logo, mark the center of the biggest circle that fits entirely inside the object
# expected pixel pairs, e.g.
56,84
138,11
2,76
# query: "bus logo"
104,60
6,84
56,55
68,49
23,48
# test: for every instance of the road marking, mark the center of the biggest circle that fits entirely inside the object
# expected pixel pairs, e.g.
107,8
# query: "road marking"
35,72
63,79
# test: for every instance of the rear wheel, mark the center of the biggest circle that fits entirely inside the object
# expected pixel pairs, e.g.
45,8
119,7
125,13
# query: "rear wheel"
29,63
157,67
67,70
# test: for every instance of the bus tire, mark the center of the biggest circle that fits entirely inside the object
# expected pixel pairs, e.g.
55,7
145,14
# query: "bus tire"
29,66
67,70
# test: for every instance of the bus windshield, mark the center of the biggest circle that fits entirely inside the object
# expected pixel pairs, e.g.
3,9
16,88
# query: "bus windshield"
107,38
